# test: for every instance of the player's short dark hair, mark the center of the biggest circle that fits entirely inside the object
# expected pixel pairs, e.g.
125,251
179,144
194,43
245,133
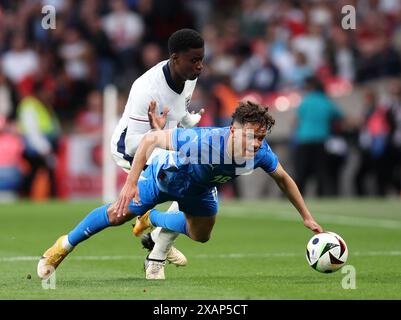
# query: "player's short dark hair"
250,112
183,40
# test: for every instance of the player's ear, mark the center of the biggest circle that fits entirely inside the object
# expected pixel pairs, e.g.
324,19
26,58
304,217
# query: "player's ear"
234,125
174,57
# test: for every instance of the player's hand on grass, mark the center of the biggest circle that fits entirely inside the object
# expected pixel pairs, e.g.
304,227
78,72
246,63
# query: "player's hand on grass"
127,193
313,225
157,122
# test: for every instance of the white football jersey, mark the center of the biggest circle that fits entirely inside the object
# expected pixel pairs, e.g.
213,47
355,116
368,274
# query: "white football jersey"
155,84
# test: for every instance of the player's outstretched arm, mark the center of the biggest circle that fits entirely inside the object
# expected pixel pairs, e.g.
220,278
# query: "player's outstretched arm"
150,141
289,187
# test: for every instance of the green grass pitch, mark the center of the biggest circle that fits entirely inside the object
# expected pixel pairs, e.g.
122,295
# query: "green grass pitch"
257,251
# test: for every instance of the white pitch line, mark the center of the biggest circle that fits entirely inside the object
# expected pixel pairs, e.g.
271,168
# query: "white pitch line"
236,212
202,256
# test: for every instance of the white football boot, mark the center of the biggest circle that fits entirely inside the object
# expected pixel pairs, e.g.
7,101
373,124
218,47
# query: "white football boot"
154,269
174,255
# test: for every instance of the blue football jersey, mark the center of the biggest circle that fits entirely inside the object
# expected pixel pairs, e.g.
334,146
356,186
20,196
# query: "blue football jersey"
201,161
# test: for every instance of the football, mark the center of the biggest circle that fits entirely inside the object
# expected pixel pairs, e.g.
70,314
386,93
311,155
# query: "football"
326,252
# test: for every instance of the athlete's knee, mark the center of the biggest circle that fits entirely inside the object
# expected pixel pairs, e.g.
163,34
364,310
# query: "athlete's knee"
199,228
200,237
203,239
115,220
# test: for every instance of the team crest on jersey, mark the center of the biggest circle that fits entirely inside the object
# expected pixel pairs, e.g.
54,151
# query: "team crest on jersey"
187,102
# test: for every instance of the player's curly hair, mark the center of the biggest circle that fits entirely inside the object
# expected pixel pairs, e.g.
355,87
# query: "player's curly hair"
185,39
250,112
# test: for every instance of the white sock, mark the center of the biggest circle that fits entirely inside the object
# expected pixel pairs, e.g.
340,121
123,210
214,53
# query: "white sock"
155,233
66,244
163,244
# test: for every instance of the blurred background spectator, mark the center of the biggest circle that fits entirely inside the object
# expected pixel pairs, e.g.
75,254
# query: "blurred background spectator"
8,97
40,130
373,146
315,117
10,161
263,50
90,118
394,121
19,61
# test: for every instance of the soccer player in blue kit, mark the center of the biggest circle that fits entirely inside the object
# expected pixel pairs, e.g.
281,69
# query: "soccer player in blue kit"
203,158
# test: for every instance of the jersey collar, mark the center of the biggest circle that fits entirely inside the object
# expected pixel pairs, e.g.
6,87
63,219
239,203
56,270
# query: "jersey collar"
169,79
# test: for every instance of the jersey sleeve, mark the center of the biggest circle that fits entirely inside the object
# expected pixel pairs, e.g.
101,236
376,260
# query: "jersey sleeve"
138,101
268,160
138,121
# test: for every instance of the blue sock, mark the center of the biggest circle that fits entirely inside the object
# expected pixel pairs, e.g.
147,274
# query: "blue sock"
174,221
94,222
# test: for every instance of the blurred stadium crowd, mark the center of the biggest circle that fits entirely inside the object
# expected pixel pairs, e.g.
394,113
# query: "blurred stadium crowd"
293,55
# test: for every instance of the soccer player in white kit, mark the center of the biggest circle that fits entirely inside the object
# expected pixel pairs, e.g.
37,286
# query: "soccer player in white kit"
170,83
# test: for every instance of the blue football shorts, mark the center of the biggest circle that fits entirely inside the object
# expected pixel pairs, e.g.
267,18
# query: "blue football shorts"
204,205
